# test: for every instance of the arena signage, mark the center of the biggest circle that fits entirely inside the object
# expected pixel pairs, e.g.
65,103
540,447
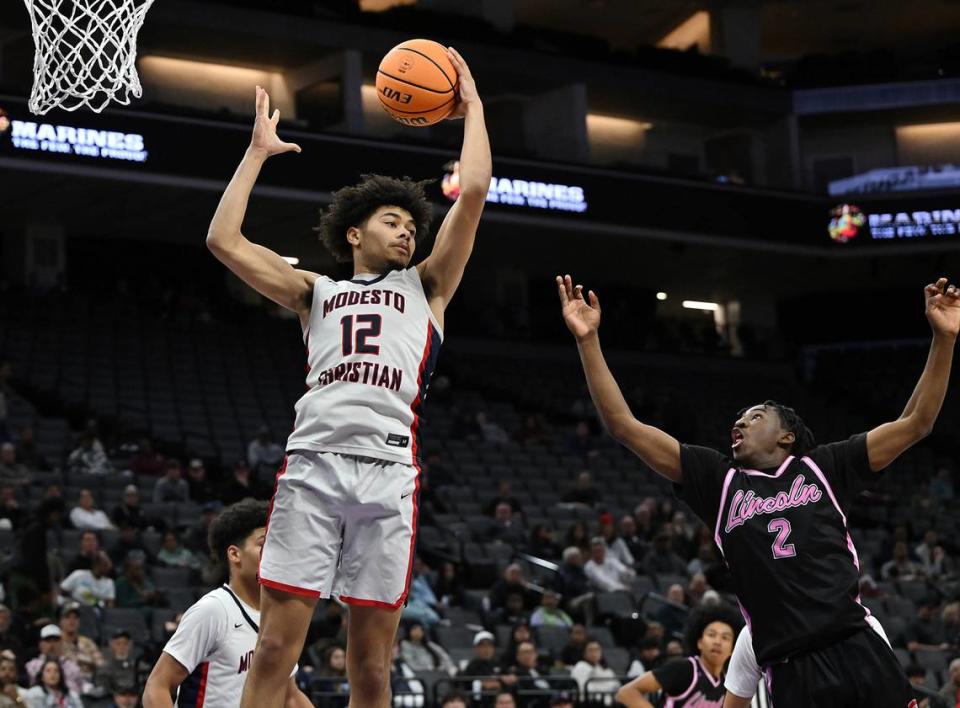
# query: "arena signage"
899,179
521,192
86,142
914,224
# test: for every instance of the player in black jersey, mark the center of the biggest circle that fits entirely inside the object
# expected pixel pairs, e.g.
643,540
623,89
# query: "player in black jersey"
697,681
777,506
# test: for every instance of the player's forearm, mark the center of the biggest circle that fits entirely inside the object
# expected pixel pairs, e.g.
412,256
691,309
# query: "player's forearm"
632,698
476,163
611,406
927,398
156,696
228,219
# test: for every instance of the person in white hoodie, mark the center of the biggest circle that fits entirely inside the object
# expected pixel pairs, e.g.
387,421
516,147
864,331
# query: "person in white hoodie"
597,681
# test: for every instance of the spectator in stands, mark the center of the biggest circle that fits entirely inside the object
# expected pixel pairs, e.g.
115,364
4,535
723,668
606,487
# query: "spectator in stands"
662,560
29,453
900,566
634,542
926,632
529,676
12,472
512,581
572,651
941,486
263,454
951,690
504,496
15,694
89,548
50,687
616,546
593,669
583,493
507,527
126,697
32,569
674,650
422,603
542,543
242,485
934,561
172,487
580,442
10,508
420,654
81,649
175,555
92,587
134,588
89,457
129,512
673,616
129,540
332,678
147,461
917,675
120,667
407,690
490,432
51,647
606,573
449,585
483,664
6,393
643,518
696,589
648,658
513,612
578,536
532,432
453,700
705,559
549,613
951,625
11,632
201,488
504,699
86,516
573,585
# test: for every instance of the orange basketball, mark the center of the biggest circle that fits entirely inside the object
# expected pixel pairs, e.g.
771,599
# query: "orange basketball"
416,83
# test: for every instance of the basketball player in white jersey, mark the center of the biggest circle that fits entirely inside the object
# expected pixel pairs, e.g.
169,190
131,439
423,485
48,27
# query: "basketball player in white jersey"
207,660
344,513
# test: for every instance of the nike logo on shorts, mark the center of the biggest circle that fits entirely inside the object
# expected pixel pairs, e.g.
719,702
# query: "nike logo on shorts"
404,496
237,626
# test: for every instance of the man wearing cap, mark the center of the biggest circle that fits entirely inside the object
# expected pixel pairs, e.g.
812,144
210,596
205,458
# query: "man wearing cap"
120,668
129,512
74,645
51,644
483,664
201,488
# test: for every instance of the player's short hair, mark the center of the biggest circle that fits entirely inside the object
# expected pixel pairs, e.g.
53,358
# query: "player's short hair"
352,206
791,420
703,617
234,526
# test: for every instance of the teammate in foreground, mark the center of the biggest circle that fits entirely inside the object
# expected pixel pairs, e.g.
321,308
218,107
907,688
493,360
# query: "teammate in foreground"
778,508
697,681
207,660
344,514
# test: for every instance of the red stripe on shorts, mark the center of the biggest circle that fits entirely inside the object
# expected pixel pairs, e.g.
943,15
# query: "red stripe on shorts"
372,603
289,588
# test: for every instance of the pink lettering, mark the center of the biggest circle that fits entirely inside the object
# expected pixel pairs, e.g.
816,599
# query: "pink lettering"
746,505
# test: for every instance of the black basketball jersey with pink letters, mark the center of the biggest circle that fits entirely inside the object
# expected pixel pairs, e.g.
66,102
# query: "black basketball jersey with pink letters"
686,683
783,535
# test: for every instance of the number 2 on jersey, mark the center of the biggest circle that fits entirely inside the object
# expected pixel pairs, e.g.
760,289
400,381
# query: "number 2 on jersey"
359,343
781,549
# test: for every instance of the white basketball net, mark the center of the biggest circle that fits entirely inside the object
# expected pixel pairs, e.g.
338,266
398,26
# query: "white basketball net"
85,52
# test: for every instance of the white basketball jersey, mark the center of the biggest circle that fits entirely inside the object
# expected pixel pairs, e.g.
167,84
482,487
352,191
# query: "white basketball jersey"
215,642
372,345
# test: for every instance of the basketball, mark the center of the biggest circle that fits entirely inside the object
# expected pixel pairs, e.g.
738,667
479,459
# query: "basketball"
416,83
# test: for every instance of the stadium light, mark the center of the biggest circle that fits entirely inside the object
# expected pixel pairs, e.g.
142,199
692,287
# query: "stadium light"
661,296
292,260
698,305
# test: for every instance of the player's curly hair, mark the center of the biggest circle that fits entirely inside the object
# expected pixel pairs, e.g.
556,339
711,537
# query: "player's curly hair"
791,420
352,206
234,525
706,615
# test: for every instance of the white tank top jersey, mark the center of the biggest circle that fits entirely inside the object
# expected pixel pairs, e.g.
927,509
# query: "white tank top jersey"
372,345
214,642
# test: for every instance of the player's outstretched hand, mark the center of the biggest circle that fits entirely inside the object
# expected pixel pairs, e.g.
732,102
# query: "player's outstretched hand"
582,317
943,307
265,139
467,86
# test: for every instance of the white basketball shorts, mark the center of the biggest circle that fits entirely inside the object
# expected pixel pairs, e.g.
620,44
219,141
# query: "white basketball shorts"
342,525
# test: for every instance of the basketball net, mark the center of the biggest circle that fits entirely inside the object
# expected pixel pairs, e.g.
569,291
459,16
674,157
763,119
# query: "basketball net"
85,53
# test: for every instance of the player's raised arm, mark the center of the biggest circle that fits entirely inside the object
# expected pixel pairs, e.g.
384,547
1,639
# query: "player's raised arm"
442,270
660,451
887,442
164,680
258,267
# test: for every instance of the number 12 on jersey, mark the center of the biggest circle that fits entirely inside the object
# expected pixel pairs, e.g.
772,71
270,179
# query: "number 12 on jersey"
355,339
